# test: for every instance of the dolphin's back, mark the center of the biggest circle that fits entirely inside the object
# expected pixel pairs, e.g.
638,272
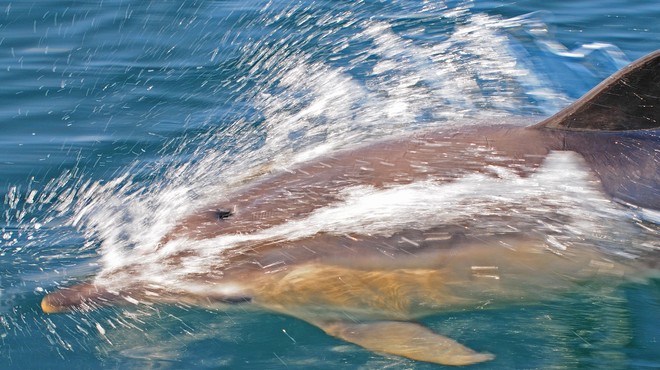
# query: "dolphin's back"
626,162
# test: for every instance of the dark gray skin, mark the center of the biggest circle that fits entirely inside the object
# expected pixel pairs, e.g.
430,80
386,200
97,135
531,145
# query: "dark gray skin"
384,281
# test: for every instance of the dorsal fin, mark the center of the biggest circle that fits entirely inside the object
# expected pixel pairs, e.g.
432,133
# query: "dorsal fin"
627,100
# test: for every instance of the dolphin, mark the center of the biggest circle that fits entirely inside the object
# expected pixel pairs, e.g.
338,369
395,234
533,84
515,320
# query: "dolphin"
361,280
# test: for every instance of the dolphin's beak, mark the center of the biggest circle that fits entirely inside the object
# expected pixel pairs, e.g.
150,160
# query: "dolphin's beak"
49,306
81,297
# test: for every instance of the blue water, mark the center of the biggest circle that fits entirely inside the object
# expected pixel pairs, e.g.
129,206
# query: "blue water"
118,116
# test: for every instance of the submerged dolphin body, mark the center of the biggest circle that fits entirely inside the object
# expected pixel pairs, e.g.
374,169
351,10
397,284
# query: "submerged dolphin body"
361,279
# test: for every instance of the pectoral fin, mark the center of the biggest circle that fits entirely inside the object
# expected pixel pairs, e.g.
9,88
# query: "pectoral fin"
405,339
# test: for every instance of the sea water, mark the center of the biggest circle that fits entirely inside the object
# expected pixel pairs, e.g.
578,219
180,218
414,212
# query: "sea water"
121,117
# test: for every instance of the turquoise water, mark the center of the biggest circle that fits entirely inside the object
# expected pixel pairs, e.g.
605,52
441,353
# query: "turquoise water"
117,116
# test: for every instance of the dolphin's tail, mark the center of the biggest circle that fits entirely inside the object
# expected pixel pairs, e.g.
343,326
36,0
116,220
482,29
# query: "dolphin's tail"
627,100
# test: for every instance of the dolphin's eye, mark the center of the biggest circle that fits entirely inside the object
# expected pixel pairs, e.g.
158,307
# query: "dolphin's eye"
221,214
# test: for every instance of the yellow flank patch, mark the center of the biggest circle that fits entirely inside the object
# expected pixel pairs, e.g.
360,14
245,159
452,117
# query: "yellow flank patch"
399,293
